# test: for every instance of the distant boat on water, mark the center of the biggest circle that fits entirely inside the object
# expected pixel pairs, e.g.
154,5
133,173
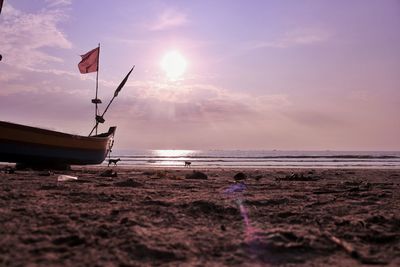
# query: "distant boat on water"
36,146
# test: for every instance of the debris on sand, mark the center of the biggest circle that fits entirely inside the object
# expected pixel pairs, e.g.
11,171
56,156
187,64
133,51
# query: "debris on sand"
8,170
196,175
355,254
64,178
299,177
240,176
109,173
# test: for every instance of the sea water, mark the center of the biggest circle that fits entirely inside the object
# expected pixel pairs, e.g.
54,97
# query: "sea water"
258,158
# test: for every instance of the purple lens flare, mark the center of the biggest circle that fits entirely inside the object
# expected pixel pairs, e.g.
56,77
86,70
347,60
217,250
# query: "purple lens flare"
235,192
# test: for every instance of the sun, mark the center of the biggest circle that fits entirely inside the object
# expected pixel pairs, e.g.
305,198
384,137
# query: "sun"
174,65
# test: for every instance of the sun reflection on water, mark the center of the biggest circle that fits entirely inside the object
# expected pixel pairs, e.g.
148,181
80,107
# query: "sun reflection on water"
173,153
173,157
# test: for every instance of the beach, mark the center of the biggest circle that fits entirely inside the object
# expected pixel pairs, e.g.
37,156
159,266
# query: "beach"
175,216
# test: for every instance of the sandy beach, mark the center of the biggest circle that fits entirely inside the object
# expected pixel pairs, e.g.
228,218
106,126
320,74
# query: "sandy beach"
142,217
199,133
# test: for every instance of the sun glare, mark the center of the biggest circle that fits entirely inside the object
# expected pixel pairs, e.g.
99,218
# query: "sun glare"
174,65
173,153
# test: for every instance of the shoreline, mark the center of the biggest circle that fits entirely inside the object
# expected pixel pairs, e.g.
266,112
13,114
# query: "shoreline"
198,167
165,216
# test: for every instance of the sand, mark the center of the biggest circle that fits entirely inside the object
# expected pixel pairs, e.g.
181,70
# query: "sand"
153,217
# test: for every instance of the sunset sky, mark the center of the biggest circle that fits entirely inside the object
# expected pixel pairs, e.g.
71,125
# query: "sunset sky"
290,75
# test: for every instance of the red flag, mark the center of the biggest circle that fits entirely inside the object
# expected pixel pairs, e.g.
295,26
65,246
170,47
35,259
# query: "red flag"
90,61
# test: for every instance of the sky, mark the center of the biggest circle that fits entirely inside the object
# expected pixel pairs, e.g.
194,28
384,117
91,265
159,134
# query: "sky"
260,74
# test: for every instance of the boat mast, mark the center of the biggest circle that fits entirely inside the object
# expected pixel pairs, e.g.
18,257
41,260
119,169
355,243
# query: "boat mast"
97,89
1,6
97,101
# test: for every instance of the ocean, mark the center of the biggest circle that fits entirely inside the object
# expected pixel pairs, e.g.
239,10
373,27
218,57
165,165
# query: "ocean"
258,158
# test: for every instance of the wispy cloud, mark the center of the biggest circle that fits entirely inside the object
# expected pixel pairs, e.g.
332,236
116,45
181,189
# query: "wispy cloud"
169,18
24,35
54,3
299,37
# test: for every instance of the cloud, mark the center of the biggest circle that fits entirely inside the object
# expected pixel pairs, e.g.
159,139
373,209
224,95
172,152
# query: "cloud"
25,35
299,37
201,103
55,3
168,19
196,115
128,41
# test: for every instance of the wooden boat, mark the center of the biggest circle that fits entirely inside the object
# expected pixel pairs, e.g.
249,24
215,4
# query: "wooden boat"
36,146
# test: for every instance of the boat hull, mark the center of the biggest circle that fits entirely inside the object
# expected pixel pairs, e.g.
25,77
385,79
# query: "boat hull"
31,145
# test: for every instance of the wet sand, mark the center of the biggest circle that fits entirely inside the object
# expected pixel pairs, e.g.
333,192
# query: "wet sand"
166,217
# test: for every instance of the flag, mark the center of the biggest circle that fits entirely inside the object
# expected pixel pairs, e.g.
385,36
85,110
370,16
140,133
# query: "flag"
123,83
90,61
